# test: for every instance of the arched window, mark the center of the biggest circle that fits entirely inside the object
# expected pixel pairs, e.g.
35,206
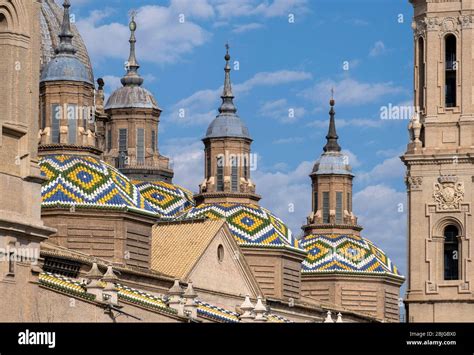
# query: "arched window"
220,173
235,174
421,73
451,253
450,71
3,23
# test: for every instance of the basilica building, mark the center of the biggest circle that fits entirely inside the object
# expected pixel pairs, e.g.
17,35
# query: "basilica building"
100,233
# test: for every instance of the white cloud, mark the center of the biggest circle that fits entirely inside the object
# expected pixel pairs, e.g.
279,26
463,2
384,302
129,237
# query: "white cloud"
201,107
287,194
354,122
157,25
289,140
187,157
247,27
389,169
281,111
267,8
377,49
382,213
351,92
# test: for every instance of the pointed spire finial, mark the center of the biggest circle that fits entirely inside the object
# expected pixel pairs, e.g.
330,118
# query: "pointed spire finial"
332,137
66,35
132,77
227,95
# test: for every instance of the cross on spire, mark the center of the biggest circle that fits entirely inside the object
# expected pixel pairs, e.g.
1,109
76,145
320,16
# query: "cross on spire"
227,95
332,145
66,35
132,77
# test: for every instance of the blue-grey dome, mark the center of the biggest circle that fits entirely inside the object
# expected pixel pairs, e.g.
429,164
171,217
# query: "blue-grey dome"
65,68
131,97
333,163
227,125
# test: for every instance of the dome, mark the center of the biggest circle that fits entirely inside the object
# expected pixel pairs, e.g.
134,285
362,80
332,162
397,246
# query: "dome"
131,97
87,182
51,15
332,163
227,125
169,201
65,67
345,254
251,225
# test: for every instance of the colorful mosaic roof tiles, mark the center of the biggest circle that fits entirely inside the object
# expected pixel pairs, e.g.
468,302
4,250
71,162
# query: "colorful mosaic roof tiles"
65,285
207,310
169,201
251,225
344,253
87,182
142,298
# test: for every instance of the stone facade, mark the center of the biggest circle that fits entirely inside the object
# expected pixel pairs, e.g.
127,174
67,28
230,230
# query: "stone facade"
440,165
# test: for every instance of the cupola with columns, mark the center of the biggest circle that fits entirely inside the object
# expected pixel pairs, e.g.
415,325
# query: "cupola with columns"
66,119
131,131
332,187
228,157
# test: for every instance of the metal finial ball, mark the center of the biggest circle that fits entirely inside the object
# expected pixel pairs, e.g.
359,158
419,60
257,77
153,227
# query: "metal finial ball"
332,102
133,26
227,57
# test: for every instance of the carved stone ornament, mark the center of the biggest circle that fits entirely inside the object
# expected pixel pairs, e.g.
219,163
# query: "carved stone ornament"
448,192
466,21
414,182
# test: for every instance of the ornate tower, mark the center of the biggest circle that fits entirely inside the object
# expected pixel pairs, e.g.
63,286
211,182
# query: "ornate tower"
332,188
20,180
66,100
439,160
228,158
132,129
342,267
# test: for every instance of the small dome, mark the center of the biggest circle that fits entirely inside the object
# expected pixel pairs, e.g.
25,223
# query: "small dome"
332,163
251,225
87,182
51,16
65,68
168,200
227,125
345,254
131,97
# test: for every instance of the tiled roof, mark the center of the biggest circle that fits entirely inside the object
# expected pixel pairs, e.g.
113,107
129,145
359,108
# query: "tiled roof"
274,318
65,285
346,254
251,225
219,314
167,200
142,298
87,182
176,247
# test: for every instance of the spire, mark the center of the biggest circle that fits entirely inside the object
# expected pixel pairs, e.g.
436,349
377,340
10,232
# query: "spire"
332,144
227,95
66,35
132,78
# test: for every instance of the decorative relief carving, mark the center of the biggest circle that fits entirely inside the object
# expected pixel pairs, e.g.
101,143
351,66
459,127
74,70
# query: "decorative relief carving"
450,24
414,182
466,21
448,193
432,23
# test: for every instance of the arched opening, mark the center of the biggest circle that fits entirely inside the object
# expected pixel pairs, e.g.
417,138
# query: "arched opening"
450,70
235,174
220,173
451,253
3,23
421,73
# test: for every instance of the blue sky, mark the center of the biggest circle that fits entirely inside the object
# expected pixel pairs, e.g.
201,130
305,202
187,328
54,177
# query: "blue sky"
282,66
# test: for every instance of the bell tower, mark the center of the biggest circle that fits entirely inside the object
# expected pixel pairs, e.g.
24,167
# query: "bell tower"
439,161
